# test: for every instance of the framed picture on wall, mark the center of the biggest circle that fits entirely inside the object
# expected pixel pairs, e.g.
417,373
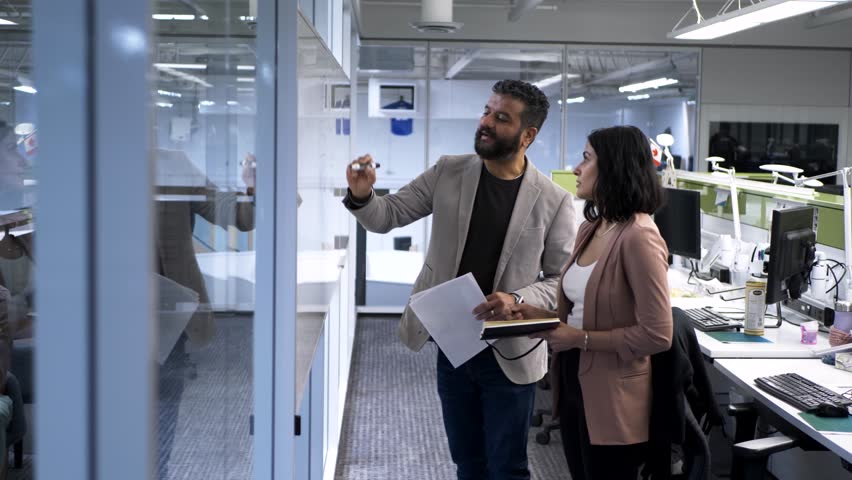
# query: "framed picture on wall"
339,97
395,98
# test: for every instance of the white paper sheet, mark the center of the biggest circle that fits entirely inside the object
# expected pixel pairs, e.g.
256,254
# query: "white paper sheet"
446,310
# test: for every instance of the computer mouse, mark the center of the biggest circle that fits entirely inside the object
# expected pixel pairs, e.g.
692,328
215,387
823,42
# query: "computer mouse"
827,409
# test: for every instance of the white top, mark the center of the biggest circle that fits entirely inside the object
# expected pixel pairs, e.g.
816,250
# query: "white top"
574,285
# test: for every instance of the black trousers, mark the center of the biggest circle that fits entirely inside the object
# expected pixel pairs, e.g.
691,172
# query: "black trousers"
587,461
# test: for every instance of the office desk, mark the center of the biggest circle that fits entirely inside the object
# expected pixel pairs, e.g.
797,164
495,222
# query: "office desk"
742,373
786,340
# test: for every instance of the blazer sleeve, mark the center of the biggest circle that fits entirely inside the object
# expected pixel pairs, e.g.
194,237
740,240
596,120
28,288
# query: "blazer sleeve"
411,203
224,210
558,246
646,271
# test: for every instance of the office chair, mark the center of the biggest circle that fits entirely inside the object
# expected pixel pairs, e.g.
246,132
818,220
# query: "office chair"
17,427
684,409
537,420
750,454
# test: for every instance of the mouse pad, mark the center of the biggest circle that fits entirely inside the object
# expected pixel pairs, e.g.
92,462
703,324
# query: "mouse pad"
737,337
827,424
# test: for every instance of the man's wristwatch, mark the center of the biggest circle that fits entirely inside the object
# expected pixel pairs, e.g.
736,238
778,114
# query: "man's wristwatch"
518,298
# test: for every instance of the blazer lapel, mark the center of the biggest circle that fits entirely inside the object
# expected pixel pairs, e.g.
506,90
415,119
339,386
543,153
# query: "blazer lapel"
590,297
524,203
469,183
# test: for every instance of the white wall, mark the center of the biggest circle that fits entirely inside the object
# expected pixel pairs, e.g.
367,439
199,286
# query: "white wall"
812,78
776,85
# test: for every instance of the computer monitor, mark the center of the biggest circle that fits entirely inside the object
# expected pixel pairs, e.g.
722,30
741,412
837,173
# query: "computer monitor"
679,222
792,246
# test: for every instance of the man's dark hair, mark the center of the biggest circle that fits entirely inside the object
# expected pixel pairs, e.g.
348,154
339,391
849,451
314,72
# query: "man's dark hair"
627,180
535,101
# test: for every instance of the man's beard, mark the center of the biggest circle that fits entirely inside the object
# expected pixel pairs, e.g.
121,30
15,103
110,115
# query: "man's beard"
501,149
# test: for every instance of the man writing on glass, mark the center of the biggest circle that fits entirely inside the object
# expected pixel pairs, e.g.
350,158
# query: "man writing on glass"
496,216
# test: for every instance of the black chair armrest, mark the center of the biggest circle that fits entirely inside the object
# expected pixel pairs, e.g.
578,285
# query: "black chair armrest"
746,415
738,409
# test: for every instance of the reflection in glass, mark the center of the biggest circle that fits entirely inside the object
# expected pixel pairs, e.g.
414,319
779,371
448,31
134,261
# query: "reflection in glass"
204,136
18,154
654,90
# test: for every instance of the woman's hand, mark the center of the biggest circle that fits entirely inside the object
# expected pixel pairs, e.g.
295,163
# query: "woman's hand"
563,337
525,311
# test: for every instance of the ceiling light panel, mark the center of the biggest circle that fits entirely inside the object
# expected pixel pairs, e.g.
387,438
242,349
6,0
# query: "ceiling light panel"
172,16
748,17
656,83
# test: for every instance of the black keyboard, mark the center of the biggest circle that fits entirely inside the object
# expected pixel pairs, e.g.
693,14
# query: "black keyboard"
707,320
799,391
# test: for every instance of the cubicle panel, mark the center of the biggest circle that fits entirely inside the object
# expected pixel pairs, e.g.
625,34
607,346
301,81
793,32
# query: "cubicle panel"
756,208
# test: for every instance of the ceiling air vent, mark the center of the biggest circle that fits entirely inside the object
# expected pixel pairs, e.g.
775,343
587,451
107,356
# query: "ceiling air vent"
382,57
436,17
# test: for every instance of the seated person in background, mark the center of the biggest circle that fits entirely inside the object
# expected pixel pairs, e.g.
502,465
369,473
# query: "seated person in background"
613,300
5,362
16,274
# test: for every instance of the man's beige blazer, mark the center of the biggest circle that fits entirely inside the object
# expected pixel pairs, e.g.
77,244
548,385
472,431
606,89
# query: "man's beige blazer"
537,244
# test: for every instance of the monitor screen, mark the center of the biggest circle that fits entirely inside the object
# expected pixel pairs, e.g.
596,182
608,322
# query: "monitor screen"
679,221
792,247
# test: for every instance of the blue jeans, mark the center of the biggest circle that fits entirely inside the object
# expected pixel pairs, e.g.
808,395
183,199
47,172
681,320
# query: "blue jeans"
486,417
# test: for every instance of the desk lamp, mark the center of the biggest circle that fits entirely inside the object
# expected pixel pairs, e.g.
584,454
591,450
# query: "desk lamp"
778,169
666,140
846,174
732,181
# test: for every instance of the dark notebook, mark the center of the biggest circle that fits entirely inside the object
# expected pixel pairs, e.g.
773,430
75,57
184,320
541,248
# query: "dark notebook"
516,328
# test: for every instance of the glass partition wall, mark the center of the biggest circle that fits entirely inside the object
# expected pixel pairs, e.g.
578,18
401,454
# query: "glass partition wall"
18,156
418,101
655,90
393,106
204,134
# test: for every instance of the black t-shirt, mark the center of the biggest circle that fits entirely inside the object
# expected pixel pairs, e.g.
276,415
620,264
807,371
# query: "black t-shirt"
489,221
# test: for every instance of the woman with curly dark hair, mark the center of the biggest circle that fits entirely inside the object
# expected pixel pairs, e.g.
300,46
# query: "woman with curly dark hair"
613,300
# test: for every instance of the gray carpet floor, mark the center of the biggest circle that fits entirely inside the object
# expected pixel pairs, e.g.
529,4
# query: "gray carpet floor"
211,417
392,427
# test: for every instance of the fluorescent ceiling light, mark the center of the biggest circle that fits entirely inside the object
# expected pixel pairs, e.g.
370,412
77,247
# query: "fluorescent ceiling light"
245,67
245,89
575,100
747,17
164,104
546,82
182,66
182,75
233,103
25,89
204,17
245,79
656,83
3,21
642,96
172,16
207,103
5,104
167,93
